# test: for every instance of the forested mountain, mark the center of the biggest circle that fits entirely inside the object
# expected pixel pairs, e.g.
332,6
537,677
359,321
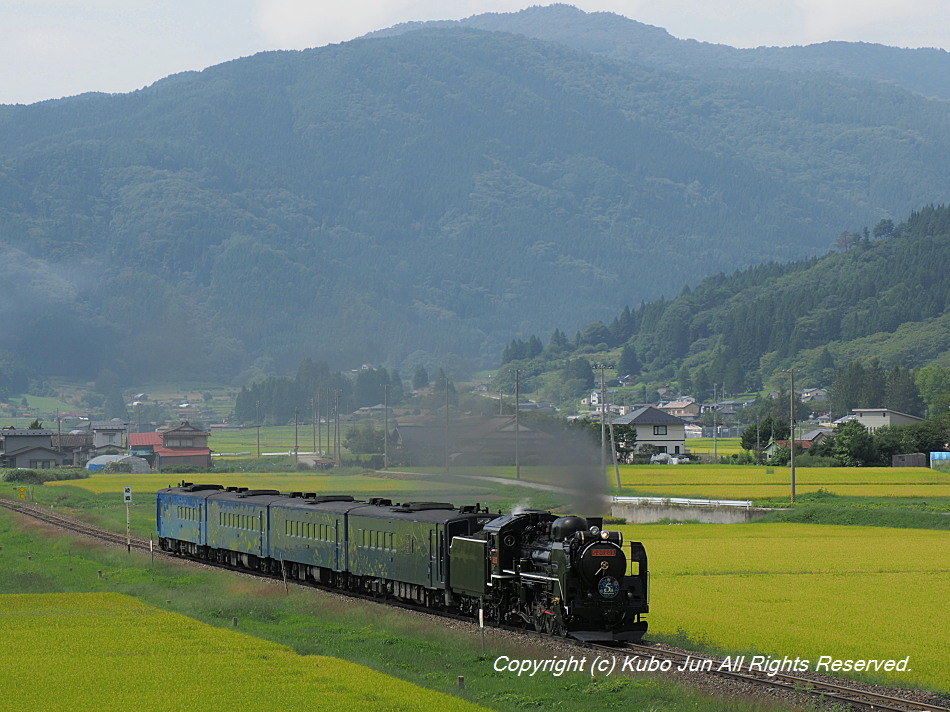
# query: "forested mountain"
406,199
883,298
925,71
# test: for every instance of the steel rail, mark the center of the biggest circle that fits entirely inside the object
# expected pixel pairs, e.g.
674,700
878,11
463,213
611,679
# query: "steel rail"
839,692
63,521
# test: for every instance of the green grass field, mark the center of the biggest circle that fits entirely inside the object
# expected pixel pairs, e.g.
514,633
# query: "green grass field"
277,438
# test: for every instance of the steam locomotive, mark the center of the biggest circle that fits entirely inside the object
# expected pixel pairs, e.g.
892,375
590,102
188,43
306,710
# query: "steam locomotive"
564,576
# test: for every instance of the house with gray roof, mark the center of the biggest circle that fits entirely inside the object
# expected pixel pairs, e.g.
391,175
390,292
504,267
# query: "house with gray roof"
28,448
655,427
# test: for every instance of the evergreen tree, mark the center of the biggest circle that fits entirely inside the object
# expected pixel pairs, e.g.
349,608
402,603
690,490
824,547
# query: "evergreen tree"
534,347
557,345
732,377
825,367
900,392
629,364
872,390
114,405
420,378
624,326
846,390
579,369
368,390
397,392
682,377
514,351
702,387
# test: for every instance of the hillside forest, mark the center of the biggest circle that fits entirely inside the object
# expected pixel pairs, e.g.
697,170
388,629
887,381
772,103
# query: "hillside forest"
424,197
869,319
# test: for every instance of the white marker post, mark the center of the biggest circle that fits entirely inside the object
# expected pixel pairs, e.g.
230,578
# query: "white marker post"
127,493
481,620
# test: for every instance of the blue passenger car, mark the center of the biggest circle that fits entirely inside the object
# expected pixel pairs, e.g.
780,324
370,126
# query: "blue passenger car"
182,515
239,522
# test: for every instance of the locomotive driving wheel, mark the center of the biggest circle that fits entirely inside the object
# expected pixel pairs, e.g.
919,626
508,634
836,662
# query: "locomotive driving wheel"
539,621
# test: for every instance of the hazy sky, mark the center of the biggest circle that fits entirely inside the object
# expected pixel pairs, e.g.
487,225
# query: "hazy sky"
55,48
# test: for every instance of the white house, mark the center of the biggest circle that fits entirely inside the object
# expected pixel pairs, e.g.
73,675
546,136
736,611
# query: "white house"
654,427
874,418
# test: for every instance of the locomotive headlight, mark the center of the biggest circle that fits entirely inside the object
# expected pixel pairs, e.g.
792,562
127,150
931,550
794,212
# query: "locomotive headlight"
605,535
594,531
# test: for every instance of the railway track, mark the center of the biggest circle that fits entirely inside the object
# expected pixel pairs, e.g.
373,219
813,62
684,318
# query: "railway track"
63,521
841,692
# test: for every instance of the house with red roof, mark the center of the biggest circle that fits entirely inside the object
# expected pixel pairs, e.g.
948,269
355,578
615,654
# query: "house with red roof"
182,445
143,445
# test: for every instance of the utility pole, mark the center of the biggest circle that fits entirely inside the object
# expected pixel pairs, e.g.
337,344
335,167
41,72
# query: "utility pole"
758,443
336,427
386,426
257,407
603,422
296,438
517,424
446,424
329,446
613,449
791,430
313,419
715,427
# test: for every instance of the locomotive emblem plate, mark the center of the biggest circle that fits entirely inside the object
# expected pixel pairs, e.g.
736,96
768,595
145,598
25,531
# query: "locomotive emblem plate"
608,587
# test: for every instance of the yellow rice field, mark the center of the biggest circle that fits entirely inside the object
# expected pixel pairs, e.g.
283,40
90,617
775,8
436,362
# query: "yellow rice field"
105,651
806,590
745,482
721,446
285,482
782,490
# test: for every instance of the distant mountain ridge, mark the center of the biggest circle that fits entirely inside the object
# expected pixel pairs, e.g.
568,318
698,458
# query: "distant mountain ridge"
925,71
423,198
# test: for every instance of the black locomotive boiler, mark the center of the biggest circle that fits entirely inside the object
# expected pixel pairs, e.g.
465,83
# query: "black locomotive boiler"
560,575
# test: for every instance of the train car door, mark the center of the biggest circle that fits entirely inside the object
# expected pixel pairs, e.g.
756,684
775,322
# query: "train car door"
262,531
337,544
440,540
436,557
